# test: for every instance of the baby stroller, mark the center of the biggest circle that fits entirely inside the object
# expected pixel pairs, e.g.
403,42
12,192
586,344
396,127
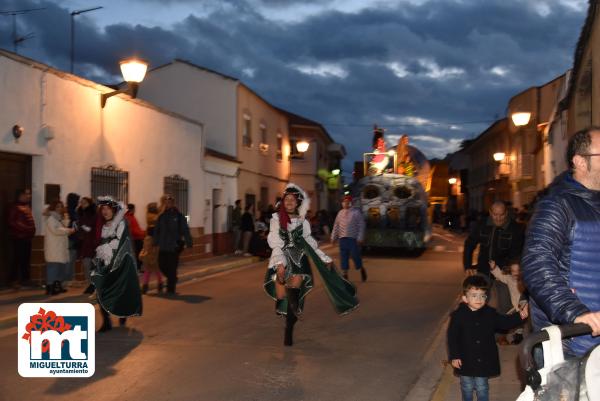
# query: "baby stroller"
576,379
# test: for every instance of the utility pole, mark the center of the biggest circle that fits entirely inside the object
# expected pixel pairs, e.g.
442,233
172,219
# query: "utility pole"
16,39
73,14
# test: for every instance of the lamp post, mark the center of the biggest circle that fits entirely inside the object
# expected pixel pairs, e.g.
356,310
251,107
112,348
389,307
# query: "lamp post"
73,14
452,181
134,71
499,156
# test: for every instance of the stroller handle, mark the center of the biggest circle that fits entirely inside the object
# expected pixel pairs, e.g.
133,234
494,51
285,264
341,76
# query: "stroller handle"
526,357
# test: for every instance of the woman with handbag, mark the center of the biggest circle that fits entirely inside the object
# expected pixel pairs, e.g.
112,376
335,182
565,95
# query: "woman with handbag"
289,277
171,234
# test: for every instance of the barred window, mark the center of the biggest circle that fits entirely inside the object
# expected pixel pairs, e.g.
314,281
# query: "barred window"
110,181
178,187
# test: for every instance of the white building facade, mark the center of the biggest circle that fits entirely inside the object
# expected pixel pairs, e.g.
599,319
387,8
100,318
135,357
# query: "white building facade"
69,144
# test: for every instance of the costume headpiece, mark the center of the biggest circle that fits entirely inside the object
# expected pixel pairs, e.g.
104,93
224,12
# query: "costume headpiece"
302,199
108,201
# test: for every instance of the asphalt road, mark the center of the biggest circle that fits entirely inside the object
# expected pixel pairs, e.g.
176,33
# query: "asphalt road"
220,340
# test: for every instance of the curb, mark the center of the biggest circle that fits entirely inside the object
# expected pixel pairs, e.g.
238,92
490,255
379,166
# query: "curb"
431,383
11,321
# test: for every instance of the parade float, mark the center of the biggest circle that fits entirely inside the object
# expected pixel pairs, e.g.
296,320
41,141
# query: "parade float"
392,195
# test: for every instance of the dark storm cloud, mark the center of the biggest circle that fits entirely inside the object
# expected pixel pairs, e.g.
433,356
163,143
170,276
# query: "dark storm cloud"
408,67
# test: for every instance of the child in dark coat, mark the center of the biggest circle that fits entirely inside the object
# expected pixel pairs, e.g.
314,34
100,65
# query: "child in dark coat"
471,343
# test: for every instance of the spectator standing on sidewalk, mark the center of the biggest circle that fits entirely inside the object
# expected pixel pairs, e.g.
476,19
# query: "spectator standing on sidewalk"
21,229
349,228
171,234
236,226
74,242
500,240
151,217
516,288
247,229
56,247
86,231
137,234
472,348
560,260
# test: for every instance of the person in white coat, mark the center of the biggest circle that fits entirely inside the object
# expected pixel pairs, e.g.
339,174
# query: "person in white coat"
56,246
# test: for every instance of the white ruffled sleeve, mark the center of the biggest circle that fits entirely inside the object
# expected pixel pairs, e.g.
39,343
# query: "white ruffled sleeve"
312,242
106,251
276,244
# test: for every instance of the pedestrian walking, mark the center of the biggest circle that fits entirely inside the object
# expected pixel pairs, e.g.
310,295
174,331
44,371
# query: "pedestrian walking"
74,242
171,235
472,348
56,247
500,239
349,228
236,226
137,233
21,230
115,272
149,257
560,260
247,228
289,277
86,231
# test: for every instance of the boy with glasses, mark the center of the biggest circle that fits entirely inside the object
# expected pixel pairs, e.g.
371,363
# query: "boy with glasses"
472,348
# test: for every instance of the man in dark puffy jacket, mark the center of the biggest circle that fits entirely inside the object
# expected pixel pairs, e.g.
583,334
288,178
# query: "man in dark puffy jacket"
500,240
560,262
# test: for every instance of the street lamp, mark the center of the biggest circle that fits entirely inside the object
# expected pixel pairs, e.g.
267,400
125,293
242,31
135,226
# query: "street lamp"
302,146
521,118
134,71
335,171
452,181
73,14
499,156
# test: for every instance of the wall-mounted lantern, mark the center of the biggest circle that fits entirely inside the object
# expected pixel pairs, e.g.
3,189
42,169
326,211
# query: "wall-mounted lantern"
134,71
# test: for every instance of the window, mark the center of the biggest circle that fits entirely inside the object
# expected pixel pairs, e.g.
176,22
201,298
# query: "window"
264,146
279,147
178,187
110,181
247,134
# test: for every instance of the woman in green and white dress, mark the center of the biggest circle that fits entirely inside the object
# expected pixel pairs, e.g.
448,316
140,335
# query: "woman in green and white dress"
289,276
115,271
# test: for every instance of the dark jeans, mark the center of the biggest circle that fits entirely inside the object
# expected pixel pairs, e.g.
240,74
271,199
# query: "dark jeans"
20,268
349,247
167,263
479,384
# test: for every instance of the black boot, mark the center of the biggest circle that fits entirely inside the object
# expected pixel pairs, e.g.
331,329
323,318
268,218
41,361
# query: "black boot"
363,274
293,297
60,287
90,289
290,321
144,288
106,323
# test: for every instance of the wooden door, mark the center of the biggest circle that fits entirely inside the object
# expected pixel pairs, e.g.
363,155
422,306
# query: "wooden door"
15,174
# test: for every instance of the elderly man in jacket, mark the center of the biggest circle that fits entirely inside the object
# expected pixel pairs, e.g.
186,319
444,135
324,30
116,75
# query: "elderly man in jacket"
560,260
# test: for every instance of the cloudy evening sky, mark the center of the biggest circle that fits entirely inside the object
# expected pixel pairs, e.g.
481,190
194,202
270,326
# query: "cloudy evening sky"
439,70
